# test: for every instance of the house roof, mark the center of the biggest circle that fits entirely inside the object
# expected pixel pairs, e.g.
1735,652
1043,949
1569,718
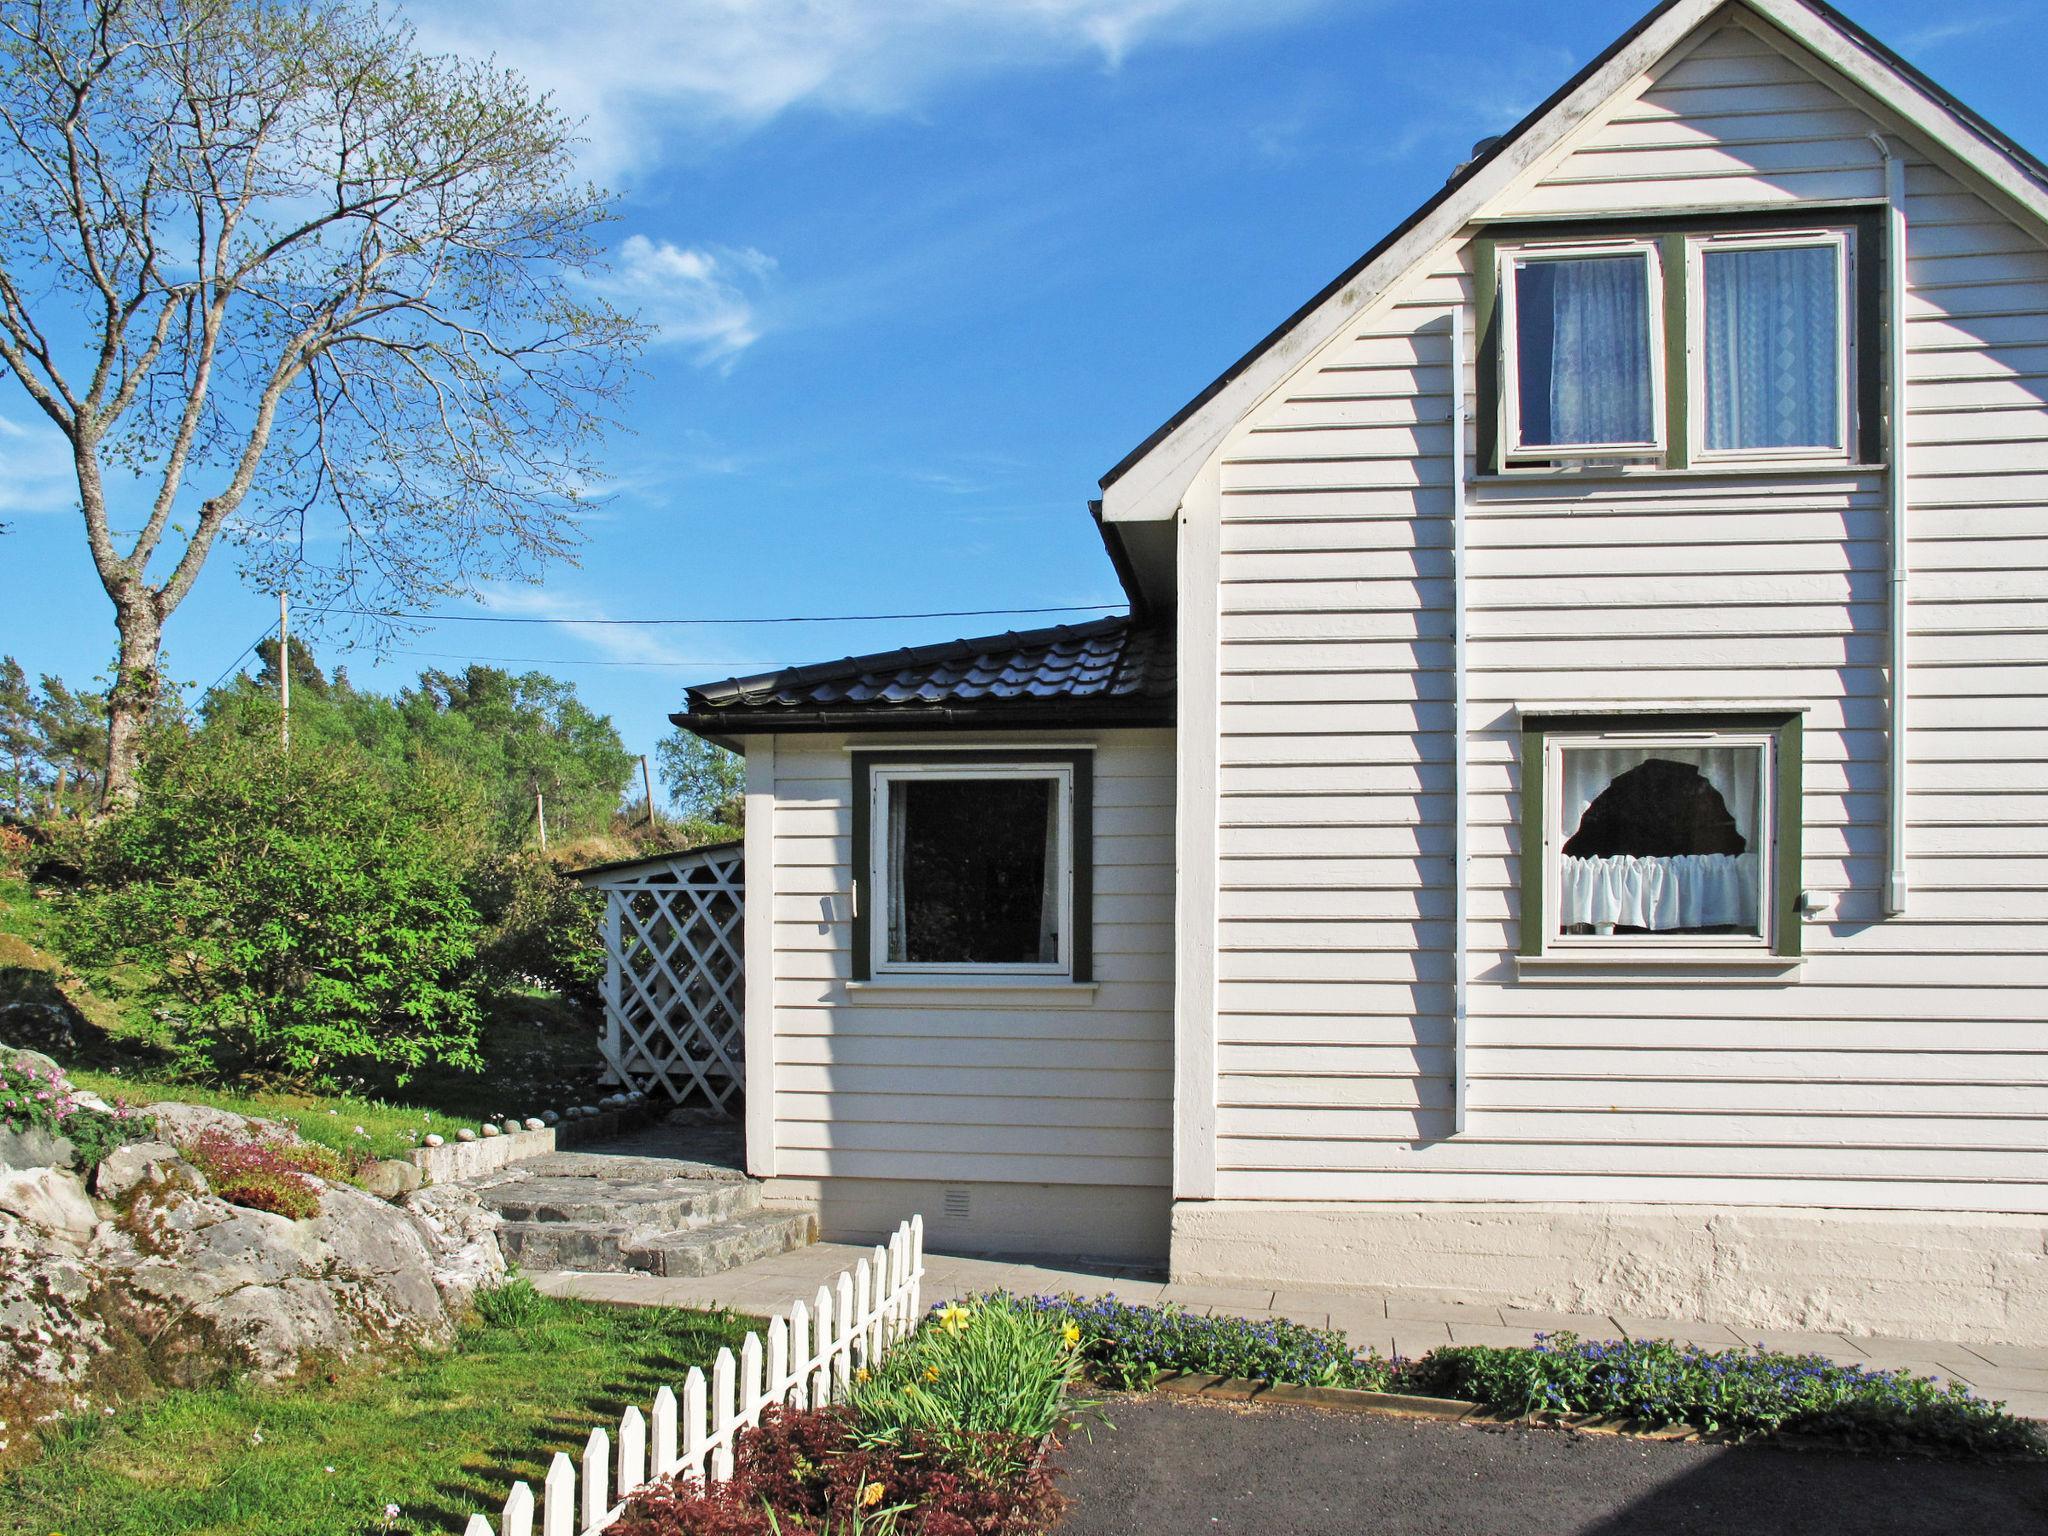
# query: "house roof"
1108,672
1473,181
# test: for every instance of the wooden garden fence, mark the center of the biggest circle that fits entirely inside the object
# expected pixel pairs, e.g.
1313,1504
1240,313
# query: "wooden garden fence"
806,1362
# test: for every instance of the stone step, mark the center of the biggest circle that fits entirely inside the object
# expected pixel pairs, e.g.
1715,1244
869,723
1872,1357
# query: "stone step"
713,1250
662,1205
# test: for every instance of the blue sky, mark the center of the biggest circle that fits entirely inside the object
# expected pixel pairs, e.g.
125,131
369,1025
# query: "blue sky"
924,270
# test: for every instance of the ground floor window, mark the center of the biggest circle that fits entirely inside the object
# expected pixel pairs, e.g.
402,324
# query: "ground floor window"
971,864
1660,834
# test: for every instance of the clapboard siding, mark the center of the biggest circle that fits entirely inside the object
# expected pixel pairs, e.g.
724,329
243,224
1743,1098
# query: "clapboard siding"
972,1084
1908,1063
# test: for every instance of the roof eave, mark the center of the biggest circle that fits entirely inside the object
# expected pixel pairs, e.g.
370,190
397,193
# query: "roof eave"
727,726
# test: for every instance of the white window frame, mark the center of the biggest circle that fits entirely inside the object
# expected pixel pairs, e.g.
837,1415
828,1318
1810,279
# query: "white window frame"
1697,248
879,963
1665,946
1511,256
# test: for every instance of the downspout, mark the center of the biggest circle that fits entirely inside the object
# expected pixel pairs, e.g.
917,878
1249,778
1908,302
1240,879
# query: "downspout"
1897,477
1460,814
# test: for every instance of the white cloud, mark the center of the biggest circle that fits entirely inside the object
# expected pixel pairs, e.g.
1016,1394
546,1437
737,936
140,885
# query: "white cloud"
575,616
632,70
35,470
706,298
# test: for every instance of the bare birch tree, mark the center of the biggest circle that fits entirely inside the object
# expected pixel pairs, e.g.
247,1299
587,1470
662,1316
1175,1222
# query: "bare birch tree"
288,284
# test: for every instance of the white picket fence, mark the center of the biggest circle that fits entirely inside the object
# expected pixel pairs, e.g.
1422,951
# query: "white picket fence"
807,1362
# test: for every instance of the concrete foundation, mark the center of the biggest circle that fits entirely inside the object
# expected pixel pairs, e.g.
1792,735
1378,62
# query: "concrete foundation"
1928,1274
1068,1221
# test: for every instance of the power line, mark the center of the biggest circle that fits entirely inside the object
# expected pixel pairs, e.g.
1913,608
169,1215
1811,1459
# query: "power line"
245,650
566,661
795,618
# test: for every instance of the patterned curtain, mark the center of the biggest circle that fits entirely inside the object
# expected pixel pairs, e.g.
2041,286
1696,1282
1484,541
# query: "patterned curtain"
1773,348
1584,350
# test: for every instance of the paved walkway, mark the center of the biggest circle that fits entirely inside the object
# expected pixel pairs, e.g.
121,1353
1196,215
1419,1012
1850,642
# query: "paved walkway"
1393,1324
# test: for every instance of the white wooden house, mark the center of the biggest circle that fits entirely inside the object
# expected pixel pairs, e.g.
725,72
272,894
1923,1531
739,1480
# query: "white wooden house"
1594,851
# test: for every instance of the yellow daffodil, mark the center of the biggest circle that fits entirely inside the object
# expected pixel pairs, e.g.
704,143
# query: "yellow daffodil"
861,1374
1072,1334
954,1317
931,1373
871,1495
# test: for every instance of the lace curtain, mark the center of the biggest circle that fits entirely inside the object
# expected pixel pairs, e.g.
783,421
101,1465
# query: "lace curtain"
1583,350
1773,348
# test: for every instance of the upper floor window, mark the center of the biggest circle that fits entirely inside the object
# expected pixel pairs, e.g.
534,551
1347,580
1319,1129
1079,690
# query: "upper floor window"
1669,343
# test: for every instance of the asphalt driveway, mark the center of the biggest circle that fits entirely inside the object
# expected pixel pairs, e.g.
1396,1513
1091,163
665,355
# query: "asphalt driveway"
1172,1467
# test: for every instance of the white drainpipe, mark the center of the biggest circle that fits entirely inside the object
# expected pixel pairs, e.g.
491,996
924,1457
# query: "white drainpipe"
1461,815
1896,884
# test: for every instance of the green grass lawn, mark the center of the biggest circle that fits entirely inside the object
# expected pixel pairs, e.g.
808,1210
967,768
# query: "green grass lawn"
441,1438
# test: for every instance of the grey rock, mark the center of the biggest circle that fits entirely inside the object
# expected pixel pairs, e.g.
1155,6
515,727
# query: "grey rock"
182,1124
461,1235
535,1123
49,1200
34,1148
433,1140
390,1178
126,1167
465,1134
22,1056
489,1129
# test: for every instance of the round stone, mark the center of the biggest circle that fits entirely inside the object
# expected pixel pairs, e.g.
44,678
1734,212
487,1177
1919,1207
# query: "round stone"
535,1123
435,1141
512,1126
488,1129
549,1117
465,1134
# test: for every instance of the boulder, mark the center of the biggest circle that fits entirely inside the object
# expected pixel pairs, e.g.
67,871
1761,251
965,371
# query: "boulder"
49,1200
126,1167
461,1234
34,1148
390,1178
182,1124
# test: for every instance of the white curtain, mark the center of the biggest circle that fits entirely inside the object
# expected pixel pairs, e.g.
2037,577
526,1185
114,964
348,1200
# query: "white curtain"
1662,892
1049,901
1773,348
899,838
1688,890
1585,350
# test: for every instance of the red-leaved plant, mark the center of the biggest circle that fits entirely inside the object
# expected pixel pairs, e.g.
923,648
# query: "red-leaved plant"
263,1174
801,1466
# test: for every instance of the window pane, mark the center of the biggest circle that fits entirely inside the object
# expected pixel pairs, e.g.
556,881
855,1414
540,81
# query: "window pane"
973,871
1582,351
1773,336
1662,840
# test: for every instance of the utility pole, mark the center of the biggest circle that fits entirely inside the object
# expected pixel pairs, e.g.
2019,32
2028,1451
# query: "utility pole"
284,670
647,783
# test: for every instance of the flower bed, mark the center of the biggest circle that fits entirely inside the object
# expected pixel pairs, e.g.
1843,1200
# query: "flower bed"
37,1098
943,1439
264,1174
1653,1384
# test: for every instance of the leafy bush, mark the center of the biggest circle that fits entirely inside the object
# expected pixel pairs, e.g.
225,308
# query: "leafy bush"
294,911
1743,1392
41,1098
801,1471
1128,1347
542,927
264,1174
987,1381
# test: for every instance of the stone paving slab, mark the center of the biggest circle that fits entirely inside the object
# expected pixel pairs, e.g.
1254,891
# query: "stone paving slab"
1392,1324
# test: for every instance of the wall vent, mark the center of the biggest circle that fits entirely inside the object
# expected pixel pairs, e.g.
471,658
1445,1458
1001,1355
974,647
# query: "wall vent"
959,1205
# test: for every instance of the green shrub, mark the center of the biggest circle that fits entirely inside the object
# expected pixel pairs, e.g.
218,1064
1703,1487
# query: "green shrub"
985,1381
295,912
542,927
1742,1392
1128,1347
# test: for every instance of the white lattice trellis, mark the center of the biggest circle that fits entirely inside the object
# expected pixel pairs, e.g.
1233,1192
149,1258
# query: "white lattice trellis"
674,980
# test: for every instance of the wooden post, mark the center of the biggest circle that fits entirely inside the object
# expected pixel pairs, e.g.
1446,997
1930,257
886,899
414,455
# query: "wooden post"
540,818
284,670
558,1497
597,1456
647,784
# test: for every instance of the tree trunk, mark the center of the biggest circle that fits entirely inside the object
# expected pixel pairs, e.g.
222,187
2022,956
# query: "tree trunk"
134,695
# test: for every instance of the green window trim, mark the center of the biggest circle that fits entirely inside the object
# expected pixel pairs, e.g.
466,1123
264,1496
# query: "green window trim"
1786,729
1081,768
1672,233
